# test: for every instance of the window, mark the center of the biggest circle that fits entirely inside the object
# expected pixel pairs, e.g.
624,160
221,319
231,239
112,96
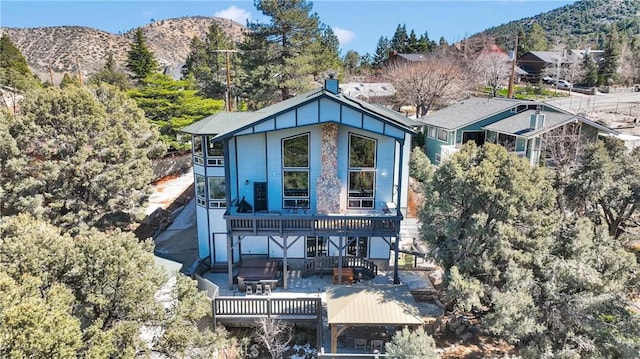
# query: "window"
316,246
431,132
197,150
362,174
295,175
215,154
358,246
200,188
438,157
217,192
443,135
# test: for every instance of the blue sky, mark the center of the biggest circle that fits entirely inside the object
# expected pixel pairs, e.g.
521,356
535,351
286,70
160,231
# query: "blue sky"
357,23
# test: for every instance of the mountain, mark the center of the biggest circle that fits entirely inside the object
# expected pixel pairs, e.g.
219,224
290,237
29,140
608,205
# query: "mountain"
62,49
578,25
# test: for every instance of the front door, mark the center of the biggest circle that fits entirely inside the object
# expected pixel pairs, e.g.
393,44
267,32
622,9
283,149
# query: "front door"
260,196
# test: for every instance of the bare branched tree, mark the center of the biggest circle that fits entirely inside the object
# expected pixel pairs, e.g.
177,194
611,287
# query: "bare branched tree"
274,335
563,145
494,69
426,84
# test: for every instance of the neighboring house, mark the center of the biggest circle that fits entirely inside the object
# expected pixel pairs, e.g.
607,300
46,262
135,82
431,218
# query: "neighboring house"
372,92
560,63
472,119
529,133
320,174
396,58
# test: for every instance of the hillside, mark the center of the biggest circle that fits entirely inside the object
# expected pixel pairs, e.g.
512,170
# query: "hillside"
578,25
63,48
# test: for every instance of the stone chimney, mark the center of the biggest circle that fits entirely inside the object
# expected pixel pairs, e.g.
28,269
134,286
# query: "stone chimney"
328,185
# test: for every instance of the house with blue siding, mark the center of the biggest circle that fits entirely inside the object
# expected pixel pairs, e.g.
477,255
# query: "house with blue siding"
499,120
320,174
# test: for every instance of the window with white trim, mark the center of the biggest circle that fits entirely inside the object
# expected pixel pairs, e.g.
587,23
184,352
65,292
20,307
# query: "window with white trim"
215,154
200,190
431,132
198,152
295,172
362,172
443,135
217,192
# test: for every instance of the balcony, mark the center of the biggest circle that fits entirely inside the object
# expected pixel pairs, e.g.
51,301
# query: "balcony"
309,224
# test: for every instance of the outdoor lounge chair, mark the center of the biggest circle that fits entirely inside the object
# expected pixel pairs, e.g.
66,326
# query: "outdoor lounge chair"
249,289
360,343
377,344
267,289
258,289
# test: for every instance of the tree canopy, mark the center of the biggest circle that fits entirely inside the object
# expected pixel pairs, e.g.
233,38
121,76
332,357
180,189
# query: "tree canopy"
93,296
206,62
140,60
111,75
560,288
171,105
284,57
14,71
77,158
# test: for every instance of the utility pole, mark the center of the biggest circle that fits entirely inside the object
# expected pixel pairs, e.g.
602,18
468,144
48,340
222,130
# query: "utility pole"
79,72
226,56
512,78
50,73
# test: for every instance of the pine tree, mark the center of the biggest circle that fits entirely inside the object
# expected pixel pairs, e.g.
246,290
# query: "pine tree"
140,61
400,39
534,40
590,70
207,63
111,75
608,69
171,105
81,158
382,52
281,58
14,71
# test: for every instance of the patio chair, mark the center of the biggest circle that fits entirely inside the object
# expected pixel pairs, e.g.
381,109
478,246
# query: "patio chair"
360,343
249,289
267,289
377,344
258,289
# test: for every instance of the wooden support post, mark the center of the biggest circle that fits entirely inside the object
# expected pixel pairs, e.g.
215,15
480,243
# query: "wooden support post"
285,275
334,338
230,259
318,322
340,260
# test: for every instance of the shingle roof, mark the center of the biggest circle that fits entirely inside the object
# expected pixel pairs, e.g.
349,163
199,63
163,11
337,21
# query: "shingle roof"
469,111
519,125
372,305
226,123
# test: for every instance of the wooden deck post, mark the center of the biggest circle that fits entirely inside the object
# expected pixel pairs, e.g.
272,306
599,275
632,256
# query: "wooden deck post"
230,259
318,322
285,275
334,338
340,239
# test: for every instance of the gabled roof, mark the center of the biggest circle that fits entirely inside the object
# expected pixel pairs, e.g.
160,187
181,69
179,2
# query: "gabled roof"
225,124
372,305
414,57
519,125
549,57
469,111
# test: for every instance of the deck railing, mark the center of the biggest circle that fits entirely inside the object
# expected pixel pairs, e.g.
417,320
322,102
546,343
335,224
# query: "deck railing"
269,306
324,264
312,225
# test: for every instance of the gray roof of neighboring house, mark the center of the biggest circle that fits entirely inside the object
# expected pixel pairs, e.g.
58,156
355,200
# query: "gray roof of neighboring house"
549,56
361,89
414,57
224,124
469,111
519,125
